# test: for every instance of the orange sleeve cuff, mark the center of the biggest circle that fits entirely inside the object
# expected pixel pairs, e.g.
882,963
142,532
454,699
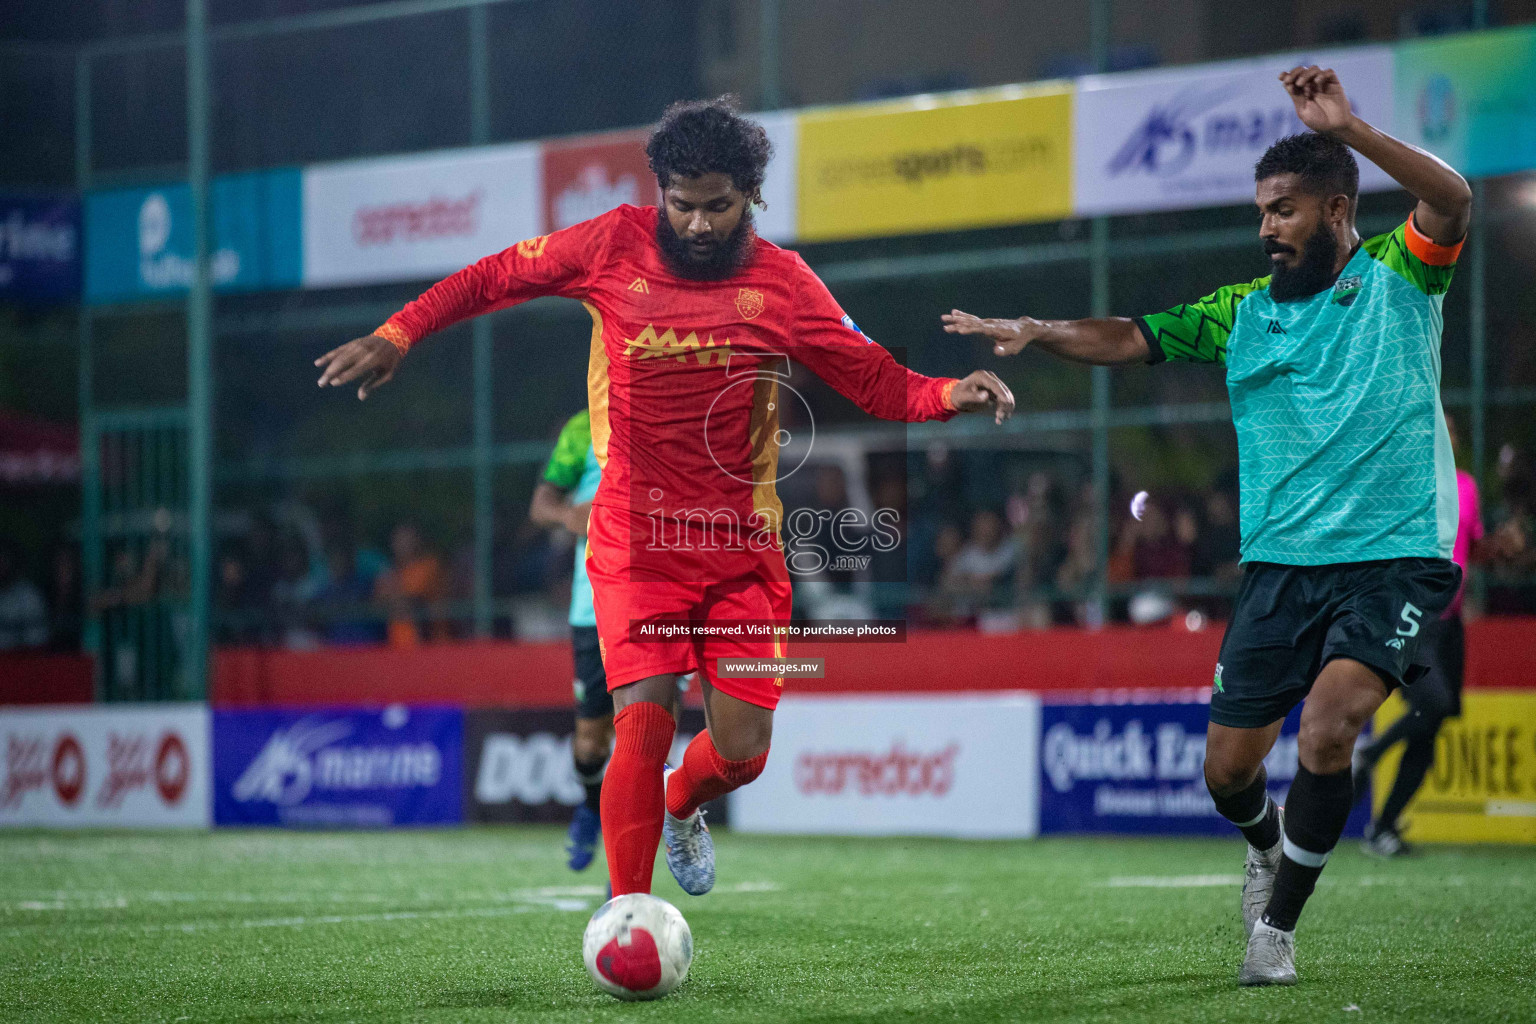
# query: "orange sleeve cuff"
396,336
1422,246
944,396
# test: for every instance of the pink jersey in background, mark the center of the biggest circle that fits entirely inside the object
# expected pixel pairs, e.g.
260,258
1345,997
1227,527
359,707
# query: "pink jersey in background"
1469,529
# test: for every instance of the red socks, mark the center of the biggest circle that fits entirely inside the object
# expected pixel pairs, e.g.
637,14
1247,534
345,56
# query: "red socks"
705,775
632,794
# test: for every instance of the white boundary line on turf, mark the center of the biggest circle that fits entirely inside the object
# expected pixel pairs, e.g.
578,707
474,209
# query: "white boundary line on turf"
558,898
304,922
72,900
1171,881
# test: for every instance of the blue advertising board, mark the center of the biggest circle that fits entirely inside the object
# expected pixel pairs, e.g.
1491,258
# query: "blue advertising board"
1139,768
39,248
338,768
139,241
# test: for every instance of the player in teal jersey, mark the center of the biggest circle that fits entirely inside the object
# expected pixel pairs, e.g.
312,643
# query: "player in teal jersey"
564,498
1348,485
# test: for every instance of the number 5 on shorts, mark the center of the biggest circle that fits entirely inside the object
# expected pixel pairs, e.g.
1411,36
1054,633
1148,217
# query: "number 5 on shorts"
1410,619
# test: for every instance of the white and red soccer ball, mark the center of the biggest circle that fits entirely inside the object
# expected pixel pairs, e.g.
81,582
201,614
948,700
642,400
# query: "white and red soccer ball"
637,947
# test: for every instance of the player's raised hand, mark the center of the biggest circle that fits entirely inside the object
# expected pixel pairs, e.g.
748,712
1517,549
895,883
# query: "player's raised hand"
983,390
1319,97
372,358
1009,336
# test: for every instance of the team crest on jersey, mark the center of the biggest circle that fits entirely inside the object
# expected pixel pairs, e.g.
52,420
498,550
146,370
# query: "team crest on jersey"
532,248
1347,290
749,303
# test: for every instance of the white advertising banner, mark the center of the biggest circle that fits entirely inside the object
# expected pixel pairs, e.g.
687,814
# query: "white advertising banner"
776,222
1188,137
950,766
417,217
135,766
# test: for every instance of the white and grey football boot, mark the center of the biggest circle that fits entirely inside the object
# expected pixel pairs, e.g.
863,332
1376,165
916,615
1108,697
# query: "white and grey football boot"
1259,879
1271,957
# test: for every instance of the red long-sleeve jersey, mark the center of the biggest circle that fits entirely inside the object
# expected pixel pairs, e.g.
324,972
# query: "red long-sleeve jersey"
683,376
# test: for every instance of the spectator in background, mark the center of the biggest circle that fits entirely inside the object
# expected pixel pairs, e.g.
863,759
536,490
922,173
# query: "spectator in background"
293,594
978,573
148,595
888,566
1216,551
1074,576
235,599
260,562
412,588
1161,546
344,600
1512,541
23,614
1217,542
137,582
835,590
67,603
530,560
948,539
1036,517
461,589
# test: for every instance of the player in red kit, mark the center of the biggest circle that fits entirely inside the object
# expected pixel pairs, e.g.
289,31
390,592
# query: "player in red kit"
695,320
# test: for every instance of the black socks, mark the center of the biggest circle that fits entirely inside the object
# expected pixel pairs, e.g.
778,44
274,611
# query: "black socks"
1315,812
1253,812
590,775
1418,755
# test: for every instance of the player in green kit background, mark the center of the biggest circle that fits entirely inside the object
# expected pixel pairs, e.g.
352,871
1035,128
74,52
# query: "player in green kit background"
564,498
1348,487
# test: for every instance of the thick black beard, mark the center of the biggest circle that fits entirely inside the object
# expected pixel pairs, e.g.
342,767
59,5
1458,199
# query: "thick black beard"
728,258
1311,274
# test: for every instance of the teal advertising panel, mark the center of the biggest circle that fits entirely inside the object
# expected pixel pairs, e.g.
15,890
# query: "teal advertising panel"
138,241
1471,99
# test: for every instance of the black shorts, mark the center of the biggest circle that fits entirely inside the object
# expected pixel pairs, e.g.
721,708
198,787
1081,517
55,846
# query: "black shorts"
1438,693
1290,621
591,684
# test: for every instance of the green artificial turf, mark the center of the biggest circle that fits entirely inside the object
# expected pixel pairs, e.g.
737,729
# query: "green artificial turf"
485,925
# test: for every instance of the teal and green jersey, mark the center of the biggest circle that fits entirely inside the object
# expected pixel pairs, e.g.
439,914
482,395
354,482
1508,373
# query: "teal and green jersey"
573,468
1343,452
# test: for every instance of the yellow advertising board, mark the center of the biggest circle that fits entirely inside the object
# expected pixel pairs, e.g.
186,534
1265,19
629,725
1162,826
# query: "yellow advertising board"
1482,786
936,163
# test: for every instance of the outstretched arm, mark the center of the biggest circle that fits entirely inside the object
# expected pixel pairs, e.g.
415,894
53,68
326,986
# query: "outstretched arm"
556,264
1445,199
832,347
1104,341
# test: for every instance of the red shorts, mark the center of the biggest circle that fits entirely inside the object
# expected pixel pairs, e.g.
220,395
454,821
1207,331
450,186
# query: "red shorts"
682,579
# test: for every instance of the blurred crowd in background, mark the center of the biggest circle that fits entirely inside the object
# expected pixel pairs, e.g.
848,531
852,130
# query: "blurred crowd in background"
288,577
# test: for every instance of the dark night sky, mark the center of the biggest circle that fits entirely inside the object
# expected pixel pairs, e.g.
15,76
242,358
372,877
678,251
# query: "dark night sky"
399,85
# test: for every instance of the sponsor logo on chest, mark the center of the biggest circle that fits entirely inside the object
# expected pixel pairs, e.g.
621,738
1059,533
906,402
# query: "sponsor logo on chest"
681,348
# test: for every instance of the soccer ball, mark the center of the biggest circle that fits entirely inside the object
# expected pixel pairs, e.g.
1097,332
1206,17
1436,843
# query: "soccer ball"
637,947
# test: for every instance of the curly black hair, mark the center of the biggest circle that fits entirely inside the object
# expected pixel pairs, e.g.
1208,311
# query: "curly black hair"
1324,164
697,137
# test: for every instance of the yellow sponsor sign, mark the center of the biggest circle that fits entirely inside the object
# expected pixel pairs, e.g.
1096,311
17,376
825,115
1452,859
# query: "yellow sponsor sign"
1482,787
936,163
